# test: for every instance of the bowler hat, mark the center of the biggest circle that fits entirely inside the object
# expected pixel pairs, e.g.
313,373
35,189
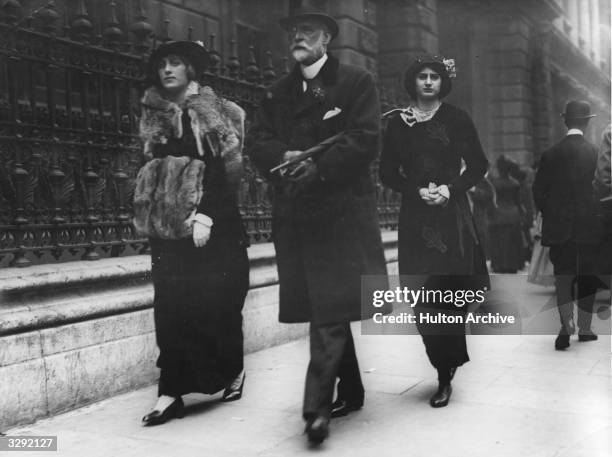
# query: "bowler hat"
577,109
194,52
310,14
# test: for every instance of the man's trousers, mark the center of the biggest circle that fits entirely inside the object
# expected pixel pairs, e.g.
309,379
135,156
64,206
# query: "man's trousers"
332,354
575,266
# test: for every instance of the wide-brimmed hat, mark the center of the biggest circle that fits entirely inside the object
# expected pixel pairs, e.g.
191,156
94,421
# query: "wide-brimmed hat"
577,109
310,14
194,52
444,67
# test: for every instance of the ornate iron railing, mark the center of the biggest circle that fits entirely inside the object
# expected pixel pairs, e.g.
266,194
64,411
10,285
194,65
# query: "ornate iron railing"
68,118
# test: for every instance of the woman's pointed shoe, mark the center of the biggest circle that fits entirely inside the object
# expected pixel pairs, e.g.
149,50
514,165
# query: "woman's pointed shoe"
233,392
442,396
155,417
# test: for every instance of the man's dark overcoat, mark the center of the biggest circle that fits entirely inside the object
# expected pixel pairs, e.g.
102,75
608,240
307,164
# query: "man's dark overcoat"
562,191
327,235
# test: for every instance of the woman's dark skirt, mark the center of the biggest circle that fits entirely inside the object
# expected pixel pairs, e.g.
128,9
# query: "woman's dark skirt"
507,248
430,246
199,295
445,343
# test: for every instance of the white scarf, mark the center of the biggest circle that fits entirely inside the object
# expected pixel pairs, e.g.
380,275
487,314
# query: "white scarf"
412,114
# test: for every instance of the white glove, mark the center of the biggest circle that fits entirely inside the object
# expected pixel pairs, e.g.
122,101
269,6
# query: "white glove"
201,228
428,194
201,234
442,195
435,195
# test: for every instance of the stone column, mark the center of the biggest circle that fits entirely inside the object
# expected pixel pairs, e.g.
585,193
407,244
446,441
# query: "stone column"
543,106
405,28
509,95
595,33
357,42
584,29
573,20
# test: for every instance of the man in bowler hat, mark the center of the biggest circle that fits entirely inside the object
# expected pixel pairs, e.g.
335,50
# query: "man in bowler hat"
325,226
562,191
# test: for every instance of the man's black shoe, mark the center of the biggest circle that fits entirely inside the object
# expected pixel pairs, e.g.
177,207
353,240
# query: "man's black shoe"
317,429
562,341
341,408
590,336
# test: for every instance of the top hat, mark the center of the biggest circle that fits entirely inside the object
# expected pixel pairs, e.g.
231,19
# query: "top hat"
195,53
576,109
310,14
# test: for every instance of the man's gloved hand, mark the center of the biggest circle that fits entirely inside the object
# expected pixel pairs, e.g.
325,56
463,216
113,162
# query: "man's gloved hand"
304,172
301,176
287,156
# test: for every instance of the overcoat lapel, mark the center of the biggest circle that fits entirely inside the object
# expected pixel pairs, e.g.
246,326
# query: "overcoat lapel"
306,100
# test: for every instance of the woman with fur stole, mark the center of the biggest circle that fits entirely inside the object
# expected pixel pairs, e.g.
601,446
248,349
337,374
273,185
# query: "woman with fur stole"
186,203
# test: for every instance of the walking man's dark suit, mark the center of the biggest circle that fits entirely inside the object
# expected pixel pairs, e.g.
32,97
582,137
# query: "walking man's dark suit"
325,226
562,191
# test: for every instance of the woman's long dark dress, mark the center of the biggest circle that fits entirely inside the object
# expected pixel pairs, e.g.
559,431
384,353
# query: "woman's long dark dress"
505,229
439,242
200,292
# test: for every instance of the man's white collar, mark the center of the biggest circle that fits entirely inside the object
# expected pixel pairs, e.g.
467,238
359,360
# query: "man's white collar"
575,132
312,70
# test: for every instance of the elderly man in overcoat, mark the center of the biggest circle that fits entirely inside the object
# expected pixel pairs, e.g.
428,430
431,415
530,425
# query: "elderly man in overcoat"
325,226
562,190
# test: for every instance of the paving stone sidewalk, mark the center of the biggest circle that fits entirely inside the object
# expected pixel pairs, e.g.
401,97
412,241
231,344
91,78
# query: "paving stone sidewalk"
516,397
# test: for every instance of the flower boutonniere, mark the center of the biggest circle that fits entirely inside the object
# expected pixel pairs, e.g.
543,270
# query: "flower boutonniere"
318,92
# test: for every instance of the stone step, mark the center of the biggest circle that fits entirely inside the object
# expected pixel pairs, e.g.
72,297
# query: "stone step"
79,332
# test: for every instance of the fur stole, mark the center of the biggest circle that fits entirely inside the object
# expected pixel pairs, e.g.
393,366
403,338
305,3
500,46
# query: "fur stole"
168,190
214,120
167,193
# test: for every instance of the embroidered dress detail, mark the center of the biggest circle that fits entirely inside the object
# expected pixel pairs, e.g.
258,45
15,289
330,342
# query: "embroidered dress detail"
437,131
433,238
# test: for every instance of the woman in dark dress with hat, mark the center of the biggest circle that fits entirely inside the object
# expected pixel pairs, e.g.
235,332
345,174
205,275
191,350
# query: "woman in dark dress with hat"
200,266
422,156
507,243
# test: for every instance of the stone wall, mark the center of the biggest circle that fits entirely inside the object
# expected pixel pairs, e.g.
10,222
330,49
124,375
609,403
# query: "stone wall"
79,332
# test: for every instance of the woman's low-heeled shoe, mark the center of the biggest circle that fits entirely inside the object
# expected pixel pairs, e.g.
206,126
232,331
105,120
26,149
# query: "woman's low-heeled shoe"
155,417
442,396
233,392
317,429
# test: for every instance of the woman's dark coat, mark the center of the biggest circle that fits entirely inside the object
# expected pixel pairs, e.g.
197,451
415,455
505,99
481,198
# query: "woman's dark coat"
507,243
326,235
437,240
200,292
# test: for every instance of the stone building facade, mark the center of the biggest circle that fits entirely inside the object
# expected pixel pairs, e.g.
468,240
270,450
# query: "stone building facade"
518,62
71,74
